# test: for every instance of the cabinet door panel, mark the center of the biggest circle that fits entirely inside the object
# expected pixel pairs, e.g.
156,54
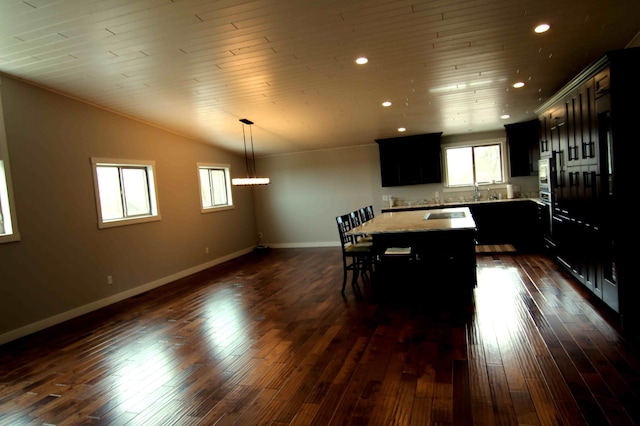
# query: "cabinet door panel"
561,184
522,140
410,160
571,114
589,124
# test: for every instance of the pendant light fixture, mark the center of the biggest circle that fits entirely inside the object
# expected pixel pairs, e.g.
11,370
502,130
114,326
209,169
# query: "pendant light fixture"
251,178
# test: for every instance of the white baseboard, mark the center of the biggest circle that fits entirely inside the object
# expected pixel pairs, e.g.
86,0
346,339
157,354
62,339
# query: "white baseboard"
90,307
305,245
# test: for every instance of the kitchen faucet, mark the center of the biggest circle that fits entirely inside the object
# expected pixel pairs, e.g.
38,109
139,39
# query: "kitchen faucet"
476,193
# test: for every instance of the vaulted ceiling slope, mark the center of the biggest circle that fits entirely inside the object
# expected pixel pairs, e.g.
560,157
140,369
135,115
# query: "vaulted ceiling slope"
196,67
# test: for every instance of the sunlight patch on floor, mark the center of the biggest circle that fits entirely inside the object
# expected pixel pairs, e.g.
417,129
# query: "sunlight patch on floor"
496,303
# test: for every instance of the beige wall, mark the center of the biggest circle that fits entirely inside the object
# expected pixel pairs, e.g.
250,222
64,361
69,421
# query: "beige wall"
58,270
59,267
308,190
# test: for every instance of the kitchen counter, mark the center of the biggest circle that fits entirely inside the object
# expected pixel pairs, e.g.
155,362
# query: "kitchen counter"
448,219
514,221
409,207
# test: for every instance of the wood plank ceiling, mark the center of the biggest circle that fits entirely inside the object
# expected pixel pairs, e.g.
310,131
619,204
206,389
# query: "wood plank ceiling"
198,66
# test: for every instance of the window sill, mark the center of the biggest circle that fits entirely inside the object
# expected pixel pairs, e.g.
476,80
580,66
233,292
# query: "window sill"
215,209
124,222
10,238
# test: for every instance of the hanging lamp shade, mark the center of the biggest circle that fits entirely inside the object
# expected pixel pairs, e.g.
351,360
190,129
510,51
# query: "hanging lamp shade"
252,178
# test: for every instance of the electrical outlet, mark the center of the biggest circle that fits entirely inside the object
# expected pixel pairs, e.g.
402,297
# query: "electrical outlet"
206,250
437,194
259,234
385,198
109,279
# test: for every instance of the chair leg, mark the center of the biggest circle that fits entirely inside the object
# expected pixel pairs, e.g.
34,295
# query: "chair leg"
365,267
344,278
361,267
356,272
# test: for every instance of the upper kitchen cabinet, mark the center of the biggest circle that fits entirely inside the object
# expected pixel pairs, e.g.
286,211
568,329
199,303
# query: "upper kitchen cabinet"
524,151
410,160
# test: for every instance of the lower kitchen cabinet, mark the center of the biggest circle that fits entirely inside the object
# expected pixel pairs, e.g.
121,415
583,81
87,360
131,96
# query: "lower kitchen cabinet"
607,270
586,252
511,222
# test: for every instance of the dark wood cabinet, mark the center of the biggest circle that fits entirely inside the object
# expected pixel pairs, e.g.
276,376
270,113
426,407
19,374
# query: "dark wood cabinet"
590,131
410,160
524,151
545,135
577,248
509,222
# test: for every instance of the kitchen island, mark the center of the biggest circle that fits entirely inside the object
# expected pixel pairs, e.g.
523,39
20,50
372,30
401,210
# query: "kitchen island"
517,221
441,245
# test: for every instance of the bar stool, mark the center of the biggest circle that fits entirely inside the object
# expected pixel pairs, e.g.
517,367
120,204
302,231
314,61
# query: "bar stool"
368,211
357,257
356,220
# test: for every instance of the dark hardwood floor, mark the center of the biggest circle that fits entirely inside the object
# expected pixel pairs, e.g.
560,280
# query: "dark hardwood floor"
268,339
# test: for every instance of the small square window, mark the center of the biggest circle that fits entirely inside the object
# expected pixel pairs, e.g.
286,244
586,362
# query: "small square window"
125,192
215,187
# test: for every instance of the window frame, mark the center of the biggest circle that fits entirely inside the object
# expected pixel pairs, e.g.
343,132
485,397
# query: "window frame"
150,168
7,200
227,170
475,143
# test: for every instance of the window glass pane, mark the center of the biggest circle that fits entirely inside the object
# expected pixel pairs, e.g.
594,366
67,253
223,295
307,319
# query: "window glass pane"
109,188
2,231
125,192
219,182
4,203
214,186
205,188
136,192
459,166
488,163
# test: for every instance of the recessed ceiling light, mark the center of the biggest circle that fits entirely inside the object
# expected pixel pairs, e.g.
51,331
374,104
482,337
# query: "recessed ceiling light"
361,60
518,84
402,129
386,103
542,28
505,116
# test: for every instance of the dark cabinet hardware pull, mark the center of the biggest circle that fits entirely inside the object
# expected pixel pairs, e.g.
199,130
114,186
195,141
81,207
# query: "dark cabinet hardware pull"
574,179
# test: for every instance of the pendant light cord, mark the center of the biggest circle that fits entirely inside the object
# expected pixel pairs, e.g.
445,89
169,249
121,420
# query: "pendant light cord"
253,155
252,173
246,158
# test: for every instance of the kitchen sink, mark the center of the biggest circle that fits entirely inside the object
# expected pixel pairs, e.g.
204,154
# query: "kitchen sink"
445,215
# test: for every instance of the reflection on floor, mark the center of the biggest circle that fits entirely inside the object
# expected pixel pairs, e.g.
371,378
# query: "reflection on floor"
495,248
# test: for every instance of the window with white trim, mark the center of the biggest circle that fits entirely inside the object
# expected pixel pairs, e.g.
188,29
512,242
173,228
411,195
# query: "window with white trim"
125,191
215,187
8,221
478,162
8,225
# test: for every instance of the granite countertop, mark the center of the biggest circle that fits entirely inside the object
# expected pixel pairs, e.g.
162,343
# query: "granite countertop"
446,219
456,204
